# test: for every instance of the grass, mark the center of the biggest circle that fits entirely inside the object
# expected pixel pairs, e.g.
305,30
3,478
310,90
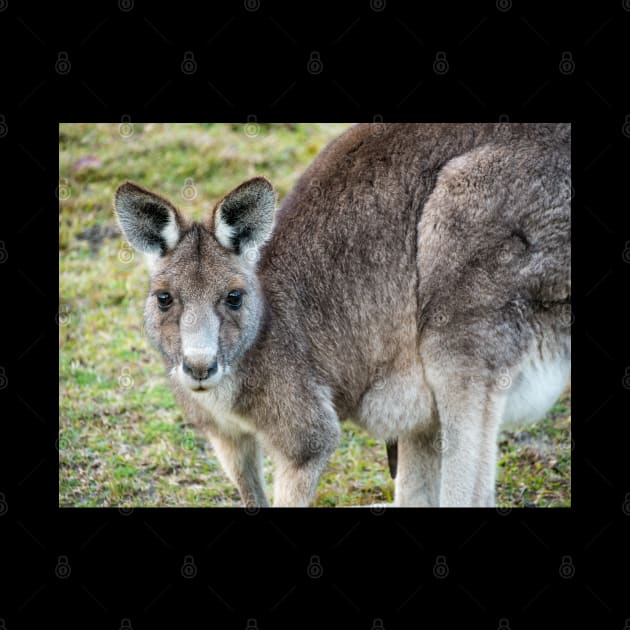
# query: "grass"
122,439
535,464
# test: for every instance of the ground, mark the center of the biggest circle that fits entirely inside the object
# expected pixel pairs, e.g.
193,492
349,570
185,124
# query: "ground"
122,439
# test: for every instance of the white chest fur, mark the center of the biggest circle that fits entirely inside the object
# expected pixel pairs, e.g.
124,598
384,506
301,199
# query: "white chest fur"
536,385
218,401
398,403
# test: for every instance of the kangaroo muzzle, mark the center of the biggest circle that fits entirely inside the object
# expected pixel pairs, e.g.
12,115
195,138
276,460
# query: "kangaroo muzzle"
200,367
199,370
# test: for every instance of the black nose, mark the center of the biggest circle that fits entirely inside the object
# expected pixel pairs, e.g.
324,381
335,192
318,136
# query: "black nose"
200,371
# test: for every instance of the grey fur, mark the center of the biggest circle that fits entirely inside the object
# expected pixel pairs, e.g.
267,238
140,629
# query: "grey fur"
143,217
412,271
247,213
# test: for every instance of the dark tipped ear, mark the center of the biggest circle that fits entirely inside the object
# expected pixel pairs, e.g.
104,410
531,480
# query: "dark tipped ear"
243,219
151,224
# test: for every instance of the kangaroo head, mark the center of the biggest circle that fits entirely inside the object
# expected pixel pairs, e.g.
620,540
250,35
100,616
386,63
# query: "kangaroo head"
204,304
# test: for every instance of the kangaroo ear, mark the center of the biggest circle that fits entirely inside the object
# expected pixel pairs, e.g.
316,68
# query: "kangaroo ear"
151,224
243,219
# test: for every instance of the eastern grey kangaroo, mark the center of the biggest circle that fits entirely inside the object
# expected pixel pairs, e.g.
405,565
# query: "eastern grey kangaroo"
416,280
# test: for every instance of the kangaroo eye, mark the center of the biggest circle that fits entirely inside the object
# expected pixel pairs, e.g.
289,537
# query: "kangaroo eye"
164,300
234,299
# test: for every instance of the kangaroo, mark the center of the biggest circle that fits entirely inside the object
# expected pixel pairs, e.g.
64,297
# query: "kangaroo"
416,280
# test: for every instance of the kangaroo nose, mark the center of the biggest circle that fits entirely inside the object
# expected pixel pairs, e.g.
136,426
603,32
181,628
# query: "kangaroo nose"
200,371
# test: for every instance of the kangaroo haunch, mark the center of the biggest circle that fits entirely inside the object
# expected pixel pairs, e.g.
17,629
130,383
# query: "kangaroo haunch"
416,280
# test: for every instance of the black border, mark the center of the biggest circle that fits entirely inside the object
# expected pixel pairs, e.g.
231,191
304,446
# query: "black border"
504,58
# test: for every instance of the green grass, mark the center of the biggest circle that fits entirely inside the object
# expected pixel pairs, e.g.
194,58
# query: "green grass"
535,464
122,439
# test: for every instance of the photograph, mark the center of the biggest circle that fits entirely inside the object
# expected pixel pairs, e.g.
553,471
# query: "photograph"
262,314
